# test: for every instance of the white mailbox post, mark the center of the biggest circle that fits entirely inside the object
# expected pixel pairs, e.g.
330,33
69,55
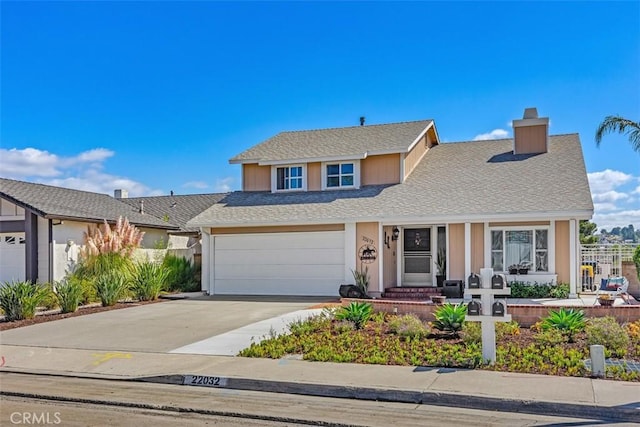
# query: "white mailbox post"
487,319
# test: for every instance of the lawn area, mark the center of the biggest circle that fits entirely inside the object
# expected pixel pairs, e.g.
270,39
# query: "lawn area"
388,339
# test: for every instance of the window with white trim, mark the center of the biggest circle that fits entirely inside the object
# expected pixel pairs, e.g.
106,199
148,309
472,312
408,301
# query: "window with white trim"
289,178
517,247
340,175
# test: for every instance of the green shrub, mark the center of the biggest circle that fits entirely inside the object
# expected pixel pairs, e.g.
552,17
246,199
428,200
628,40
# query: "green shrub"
110,287
50,301
550,337
606,331
504,329
525,290
343,326
19,300
69,294
356,312
183,276
148,280
472,333
450,318
96,265
568,321
560,291
409,326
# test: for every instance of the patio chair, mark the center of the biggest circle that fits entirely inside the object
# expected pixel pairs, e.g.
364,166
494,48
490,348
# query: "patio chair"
614,286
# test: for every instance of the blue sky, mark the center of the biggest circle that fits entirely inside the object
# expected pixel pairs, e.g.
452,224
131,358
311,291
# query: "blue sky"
157,96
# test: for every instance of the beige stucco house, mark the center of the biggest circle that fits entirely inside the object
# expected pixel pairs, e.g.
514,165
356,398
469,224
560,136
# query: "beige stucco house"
317,204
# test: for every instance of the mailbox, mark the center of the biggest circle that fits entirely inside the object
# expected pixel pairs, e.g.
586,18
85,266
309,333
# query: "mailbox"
498,309
498,281
473,281
474,308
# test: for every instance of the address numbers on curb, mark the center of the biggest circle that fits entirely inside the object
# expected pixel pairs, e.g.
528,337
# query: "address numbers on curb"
204,381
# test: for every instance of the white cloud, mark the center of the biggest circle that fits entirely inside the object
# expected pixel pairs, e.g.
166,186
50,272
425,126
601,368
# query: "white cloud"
601,207
201,185
20,163
95,155
607,180
614,201
223,185
16,163
617,219
83,171
100,182
494,134
609,196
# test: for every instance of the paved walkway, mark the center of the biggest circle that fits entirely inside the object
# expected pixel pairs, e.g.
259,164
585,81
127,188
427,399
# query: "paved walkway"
230,343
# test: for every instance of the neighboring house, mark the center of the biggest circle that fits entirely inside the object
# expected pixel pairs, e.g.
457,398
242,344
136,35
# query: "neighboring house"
42,227
177,210
316,205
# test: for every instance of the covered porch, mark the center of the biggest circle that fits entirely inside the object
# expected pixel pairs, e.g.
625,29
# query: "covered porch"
417,255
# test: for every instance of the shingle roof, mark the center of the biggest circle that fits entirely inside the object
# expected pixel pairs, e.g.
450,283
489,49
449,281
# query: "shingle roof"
58,202
177,209
337,142
454,180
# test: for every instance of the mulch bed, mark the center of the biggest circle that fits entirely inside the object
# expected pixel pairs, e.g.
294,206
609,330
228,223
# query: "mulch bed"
91,309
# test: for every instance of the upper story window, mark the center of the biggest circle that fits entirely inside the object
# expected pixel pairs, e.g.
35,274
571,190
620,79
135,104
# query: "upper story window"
512,247
289,178
340,175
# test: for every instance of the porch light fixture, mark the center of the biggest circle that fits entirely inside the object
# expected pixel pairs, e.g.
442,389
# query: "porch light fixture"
396,233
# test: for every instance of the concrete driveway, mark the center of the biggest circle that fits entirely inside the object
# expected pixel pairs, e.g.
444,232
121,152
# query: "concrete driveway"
155,327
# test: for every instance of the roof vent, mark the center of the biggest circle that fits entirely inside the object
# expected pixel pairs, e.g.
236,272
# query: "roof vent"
141,210
362,119
531,133
120,194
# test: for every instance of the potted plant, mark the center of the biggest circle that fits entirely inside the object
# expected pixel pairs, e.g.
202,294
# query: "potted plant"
520,268
441,265
606,300
362,280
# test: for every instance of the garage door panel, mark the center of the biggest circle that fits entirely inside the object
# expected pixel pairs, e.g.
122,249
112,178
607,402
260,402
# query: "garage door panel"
270,241
12,257
279,263
307,287
240,271
280,256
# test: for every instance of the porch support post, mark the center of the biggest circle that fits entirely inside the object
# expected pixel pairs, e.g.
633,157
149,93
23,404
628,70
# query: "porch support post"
207,259
350,251
381,258
31,246
573,259
467,249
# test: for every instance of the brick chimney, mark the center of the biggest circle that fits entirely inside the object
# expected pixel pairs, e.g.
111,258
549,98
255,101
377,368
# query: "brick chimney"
531,134
120,194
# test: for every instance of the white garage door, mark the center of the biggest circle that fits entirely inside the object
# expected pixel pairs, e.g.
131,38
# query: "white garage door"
12,257
310,263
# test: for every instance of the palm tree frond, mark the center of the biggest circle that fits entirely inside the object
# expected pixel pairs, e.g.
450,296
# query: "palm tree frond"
621,125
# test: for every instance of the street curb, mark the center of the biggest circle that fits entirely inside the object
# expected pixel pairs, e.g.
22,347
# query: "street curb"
447,399
486,403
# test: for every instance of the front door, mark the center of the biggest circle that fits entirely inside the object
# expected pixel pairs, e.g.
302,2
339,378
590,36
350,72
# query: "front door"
416,268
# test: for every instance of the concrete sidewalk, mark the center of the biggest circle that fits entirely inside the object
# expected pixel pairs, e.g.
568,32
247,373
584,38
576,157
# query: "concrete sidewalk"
578,397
